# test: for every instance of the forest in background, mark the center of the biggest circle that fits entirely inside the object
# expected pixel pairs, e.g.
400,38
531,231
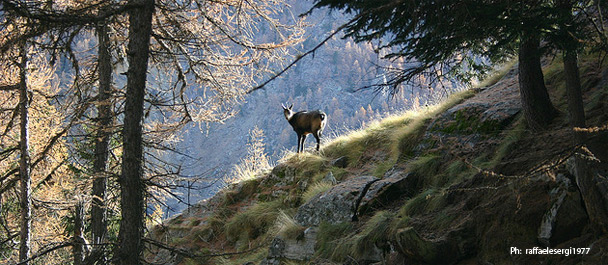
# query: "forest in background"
95,96
339,79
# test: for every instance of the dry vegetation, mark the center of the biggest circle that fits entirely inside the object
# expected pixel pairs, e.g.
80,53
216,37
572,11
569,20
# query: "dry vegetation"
263,210
253,210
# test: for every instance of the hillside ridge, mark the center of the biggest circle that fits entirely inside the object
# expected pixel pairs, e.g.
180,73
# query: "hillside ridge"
464,182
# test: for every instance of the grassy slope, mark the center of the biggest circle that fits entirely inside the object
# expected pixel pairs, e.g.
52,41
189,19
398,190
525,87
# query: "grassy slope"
246,216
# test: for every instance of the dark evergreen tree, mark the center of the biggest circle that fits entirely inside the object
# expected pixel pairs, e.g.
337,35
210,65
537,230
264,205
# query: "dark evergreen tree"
567,38
454,33
455,36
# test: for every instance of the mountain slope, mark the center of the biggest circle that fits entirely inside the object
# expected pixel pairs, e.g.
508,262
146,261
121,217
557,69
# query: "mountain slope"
464,182
327,81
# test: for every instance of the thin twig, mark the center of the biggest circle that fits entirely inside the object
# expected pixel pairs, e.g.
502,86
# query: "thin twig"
299,57
46,251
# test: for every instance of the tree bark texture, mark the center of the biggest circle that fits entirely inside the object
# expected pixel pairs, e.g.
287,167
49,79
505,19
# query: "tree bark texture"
78,250
536,104
576,109
130,243
24,161
102,139
569,45
591,184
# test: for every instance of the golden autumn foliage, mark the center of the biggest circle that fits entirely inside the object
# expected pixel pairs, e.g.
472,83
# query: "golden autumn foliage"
52,185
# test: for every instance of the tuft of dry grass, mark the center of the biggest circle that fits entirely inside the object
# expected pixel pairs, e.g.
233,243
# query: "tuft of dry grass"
253,222
375,231
255,164
243,173
286,227
317,188
257,255
426,201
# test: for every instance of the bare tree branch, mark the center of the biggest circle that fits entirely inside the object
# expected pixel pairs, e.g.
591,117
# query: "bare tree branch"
301,56
9,87
44,251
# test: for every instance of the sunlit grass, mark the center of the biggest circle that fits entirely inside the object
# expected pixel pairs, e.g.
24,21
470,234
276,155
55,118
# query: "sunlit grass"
286,227
304,159
396,134
253,222
314,189
244,172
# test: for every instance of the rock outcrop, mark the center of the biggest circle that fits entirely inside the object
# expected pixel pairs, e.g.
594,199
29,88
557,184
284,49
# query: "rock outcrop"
338,204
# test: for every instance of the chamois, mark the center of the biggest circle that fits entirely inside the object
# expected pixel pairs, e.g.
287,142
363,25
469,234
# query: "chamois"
305,122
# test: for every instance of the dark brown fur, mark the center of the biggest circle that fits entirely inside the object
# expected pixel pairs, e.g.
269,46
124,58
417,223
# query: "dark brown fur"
304,123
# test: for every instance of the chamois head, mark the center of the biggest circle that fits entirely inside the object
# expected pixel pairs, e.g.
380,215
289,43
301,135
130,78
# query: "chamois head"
305,122
287,111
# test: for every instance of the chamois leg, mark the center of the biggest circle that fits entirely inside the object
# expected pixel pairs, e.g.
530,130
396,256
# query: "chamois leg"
299,141
303,140
318,137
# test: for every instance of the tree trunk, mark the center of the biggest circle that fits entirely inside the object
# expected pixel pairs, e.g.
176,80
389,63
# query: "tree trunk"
576,110
24,161
130,244
78,250
588,180
102,139
535,100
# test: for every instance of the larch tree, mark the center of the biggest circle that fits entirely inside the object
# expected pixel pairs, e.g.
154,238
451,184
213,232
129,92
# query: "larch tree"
42,157
203,57
255,160
21,113
130,237
99,212
24,160
49,119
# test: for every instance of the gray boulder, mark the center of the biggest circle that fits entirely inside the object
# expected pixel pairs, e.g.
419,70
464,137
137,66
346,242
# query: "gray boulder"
294,249
397,183
338,204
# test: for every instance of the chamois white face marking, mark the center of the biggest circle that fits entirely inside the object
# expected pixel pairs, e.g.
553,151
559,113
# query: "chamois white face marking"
287,111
